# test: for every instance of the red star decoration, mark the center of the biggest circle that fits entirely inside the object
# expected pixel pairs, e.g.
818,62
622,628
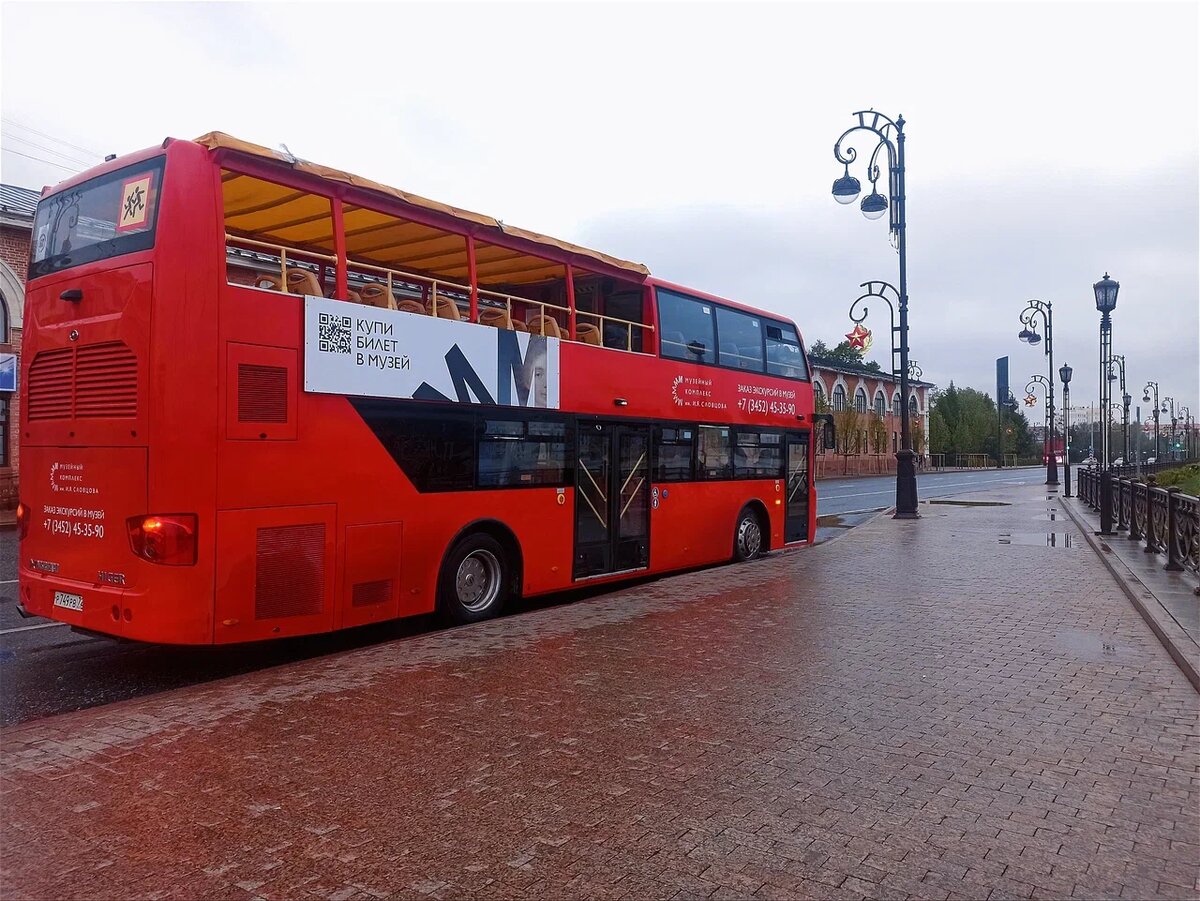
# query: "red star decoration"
860,338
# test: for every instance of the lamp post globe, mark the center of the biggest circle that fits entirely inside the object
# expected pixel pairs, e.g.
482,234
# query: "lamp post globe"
1106,293
874,205
846,189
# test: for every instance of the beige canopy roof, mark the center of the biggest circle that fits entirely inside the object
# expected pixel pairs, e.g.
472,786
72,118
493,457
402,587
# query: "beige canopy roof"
216,140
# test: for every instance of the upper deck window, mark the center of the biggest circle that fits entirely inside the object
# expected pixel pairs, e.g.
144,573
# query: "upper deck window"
104,217
741,339
688,327
784,356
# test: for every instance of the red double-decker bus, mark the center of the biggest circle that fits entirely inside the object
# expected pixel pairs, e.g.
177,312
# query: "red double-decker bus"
266,398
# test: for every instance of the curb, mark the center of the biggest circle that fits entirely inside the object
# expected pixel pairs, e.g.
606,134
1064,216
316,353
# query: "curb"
1134,589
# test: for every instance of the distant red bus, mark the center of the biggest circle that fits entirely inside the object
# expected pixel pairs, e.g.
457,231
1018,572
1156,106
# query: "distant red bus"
265,398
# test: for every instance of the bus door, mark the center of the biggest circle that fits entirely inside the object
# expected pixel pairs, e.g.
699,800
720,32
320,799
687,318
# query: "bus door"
795,516
612,498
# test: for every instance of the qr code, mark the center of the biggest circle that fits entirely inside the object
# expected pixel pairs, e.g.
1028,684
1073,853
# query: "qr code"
333,334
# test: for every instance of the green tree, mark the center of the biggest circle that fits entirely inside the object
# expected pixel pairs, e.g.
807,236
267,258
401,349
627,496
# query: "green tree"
842,353
939,434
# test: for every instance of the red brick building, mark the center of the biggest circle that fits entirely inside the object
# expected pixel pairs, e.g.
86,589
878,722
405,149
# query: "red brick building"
17,206
866,408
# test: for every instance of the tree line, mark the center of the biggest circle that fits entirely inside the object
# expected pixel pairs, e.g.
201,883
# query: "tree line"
963,421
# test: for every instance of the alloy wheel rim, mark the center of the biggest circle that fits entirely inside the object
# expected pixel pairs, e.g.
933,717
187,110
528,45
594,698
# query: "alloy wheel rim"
750,537
477,582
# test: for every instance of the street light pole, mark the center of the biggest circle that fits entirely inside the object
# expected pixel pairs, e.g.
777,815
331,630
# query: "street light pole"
1106,301
1064,373
1118,361
1029,317
1174,425
1146,400
889,138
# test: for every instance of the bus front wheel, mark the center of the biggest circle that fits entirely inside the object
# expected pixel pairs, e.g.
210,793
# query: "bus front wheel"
748,536
475,580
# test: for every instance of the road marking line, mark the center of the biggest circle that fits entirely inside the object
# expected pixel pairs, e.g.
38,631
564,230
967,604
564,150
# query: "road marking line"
31,628
8,582
834,497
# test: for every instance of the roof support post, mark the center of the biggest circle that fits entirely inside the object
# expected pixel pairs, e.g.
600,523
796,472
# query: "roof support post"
570,302
473,278
342,289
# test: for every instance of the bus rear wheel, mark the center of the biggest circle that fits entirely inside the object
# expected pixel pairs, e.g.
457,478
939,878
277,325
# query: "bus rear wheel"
475,581
748,536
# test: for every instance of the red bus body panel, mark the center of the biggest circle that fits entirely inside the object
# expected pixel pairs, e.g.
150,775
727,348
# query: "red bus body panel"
315,499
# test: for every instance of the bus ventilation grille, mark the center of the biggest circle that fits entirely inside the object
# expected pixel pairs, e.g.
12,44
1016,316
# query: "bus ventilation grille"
262,393
289,578
367,593
95,381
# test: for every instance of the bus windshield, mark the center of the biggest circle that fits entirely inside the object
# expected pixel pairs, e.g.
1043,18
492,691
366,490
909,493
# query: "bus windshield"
109,215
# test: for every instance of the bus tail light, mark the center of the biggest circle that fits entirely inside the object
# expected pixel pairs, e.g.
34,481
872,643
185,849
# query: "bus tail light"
166,538
22,521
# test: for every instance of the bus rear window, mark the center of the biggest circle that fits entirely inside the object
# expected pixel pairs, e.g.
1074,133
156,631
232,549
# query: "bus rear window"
109,215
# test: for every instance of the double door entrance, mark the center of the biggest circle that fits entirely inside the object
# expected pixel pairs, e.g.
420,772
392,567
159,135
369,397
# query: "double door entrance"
612,498
795,515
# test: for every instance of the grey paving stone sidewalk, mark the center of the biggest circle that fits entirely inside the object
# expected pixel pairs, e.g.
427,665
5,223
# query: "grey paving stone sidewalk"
959,706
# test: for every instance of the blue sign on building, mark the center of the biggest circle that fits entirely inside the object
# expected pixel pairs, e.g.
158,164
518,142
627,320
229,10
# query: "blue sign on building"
8,372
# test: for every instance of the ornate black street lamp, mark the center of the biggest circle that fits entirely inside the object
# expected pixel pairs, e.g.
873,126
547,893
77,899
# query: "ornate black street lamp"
889,138
1008,403
1029,317
1185,414
1047,386
1064,373
1174,424
1106,301
1118,364
1146,400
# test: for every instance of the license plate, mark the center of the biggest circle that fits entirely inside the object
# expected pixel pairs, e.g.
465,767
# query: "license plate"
70,601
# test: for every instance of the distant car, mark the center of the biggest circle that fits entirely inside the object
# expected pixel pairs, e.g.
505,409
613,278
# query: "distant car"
1120,461
1152,459
1091,462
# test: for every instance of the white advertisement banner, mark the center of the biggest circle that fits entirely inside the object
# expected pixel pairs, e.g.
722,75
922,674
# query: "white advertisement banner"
370,352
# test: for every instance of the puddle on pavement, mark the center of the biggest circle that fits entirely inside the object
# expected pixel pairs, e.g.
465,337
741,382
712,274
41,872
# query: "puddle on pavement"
1038,539
1089,645
833,522
1053,516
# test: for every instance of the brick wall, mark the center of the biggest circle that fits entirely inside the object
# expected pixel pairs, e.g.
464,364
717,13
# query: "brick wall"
14,250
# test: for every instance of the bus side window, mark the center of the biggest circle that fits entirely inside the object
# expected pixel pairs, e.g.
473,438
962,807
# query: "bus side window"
673,454
784,356
714,458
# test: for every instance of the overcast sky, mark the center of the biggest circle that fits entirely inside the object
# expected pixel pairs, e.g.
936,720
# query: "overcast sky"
1047,143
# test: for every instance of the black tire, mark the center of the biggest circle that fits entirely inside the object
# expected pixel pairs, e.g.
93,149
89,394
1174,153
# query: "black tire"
748,536
475,581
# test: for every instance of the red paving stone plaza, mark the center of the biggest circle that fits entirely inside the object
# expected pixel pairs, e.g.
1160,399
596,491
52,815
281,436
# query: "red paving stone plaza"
917,709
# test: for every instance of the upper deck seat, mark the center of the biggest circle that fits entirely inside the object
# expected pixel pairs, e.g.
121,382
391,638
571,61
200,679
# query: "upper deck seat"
519,326
497,317
674,341
545,325
411,306
301,281
376,295
446,309
586,333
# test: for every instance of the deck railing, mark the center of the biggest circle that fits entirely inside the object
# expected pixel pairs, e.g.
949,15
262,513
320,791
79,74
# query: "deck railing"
441,291
1165,519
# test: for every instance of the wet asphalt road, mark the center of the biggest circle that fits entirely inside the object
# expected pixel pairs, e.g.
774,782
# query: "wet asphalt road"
45,668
